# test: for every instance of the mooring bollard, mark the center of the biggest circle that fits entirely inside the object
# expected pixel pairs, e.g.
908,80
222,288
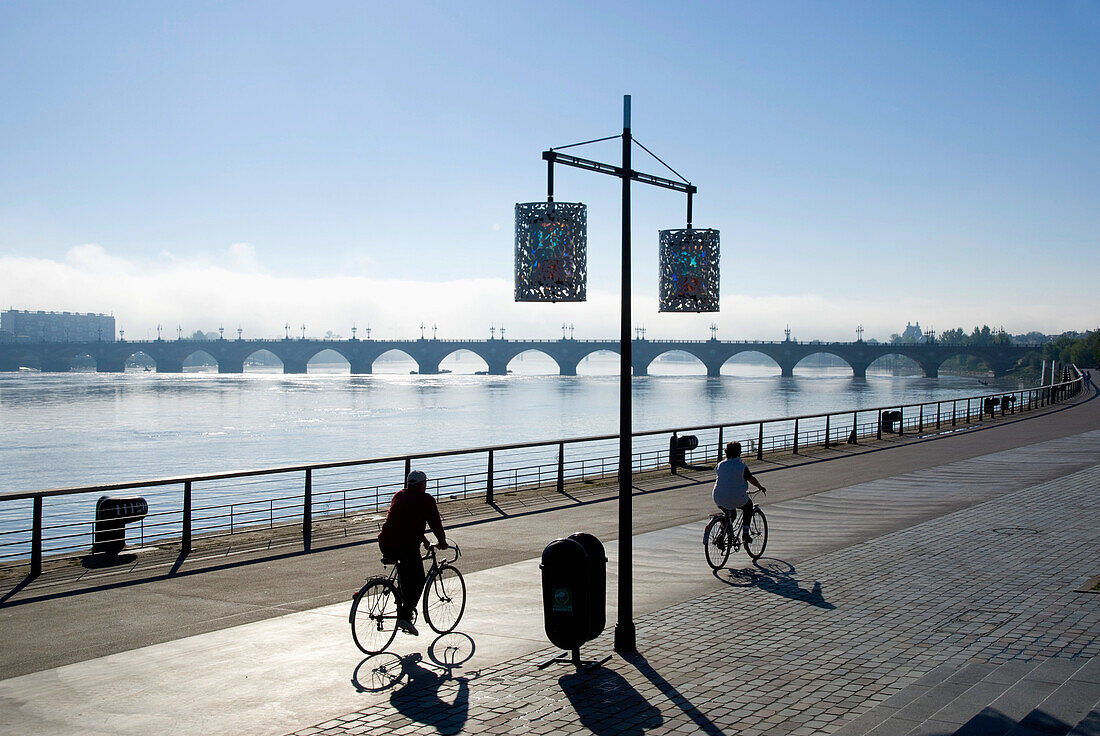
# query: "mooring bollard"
112,514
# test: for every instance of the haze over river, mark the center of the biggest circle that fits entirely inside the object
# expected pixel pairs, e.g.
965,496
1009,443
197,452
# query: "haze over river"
85,428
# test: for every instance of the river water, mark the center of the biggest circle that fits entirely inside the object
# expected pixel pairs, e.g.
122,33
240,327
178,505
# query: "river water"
86,428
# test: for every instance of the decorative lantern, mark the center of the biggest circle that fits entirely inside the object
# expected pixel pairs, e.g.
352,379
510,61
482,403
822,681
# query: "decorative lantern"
689,270
551,252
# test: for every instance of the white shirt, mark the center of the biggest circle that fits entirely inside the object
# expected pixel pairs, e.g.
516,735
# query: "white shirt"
731,490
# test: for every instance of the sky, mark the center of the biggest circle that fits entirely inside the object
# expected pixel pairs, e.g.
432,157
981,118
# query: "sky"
332,164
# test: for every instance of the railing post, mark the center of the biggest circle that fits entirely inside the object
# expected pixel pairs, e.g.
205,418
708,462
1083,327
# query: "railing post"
561,467
954,411
408,469
489,480
36,538
826,431
853,439
920,420
720,443
901,421
878,431
307,512
760,443
939,410
672,447
795,448
968,410
185,541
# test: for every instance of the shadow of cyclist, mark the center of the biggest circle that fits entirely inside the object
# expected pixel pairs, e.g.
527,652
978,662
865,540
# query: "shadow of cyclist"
433,697
776,577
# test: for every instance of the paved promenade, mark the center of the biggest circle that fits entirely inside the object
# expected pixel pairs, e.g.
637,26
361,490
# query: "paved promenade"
936,596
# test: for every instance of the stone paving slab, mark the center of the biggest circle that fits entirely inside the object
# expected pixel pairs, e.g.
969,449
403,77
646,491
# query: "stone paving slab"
968,588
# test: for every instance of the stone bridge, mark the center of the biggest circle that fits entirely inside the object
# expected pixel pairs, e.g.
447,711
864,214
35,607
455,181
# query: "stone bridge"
295,354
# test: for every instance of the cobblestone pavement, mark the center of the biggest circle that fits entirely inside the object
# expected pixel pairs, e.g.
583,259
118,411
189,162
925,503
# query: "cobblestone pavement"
789,651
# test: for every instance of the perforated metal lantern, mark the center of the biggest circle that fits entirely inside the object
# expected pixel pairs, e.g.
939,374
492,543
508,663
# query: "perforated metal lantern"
551,252
689,270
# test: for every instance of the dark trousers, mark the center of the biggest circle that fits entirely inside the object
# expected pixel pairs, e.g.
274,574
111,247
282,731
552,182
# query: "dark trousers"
410,578
746,515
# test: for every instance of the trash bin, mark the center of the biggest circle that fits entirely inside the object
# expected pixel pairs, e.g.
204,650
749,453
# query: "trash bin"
597,582
678,447
566,604
889,419
112,514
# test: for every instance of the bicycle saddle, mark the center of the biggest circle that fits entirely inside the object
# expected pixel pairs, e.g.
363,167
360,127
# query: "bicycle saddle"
389,561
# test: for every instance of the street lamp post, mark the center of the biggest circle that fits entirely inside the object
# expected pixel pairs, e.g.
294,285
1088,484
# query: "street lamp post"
548,278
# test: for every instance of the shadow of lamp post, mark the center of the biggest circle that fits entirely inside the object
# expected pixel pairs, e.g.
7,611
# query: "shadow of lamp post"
551,266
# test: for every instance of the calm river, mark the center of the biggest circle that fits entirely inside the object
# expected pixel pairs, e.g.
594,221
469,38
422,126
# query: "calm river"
85,428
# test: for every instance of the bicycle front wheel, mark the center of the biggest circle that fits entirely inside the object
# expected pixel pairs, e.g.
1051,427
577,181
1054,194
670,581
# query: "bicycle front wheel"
758,529
716,542
374,616
444,599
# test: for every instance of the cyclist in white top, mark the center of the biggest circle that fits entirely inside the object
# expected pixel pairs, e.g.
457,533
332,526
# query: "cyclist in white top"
731,487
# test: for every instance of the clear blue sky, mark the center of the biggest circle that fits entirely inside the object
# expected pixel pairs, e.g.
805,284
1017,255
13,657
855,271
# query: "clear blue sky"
852,154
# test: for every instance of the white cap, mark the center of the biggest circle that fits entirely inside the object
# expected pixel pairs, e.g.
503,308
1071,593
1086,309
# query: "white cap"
415,477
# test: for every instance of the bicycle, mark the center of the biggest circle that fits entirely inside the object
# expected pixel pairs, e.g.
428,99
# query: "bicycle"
373,615
722,536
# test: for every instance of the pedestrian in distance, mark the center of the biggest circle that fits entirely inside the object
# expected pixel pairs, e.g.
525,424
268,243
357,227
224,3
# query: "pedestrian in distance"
731,487
401,538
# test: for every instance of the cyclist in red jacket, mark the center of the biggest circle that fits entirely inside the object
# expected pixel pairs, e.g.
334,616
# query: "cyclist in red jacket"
400,539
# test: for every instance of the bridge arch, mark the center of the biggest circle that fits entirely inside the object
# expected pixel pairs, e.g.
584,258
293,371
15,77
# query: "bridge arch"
965,361
824,362
137,361
676,362
463,361
23,358
534,362
328,361
199,361
750,364
599,362
83,362
895,364
262,361
394,360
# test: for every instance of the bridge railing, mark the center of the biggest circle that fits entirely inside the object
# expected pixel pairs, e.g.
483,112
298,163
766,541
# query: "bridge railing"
339,498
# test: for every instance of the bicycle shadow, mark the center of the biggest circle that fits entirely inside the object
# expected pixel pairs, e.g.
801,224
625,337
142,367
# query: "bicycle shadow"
431,693
777,577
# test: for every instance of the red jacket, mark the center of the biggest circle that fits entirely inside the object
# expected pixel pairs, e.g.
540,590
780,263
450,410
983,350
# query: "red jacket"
404,525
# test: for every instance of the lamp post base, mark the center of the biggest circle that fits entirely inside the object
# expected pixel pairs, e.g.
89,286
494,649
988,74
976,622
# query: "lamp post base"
626,638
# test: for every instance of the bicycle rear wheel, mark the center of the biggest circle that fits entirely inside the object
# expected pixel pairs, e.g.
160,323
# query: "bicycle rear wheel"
444,599
374,616
716,542
758,529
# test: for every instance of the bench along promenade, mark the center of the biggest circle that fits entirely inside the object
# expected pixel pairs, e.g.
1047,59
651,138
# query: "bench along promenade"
295,354
925,582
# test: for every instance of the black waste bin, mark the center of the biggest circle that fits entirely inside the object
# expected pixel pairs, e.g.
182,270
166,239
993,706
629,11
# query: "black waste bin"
889,419
597,582
566,604
112,514
678,447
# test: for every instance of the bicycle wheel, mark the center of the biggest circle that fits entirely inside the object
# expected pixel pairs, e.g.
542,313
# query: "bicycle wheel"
758,528
374,616
444,599
716,542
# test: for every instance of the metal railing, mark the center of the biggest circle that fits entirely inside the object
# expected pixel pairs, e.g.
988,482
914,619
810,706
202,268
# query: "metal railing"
341,494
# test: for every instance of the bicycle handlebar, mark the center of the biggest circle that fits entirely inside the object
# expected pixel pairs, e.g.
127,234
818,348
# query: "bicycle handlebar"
433,549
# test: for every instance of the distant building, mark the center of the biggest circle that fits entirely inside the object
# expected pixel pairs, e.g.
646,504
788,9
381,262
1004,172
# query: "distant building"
42,326
912,333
